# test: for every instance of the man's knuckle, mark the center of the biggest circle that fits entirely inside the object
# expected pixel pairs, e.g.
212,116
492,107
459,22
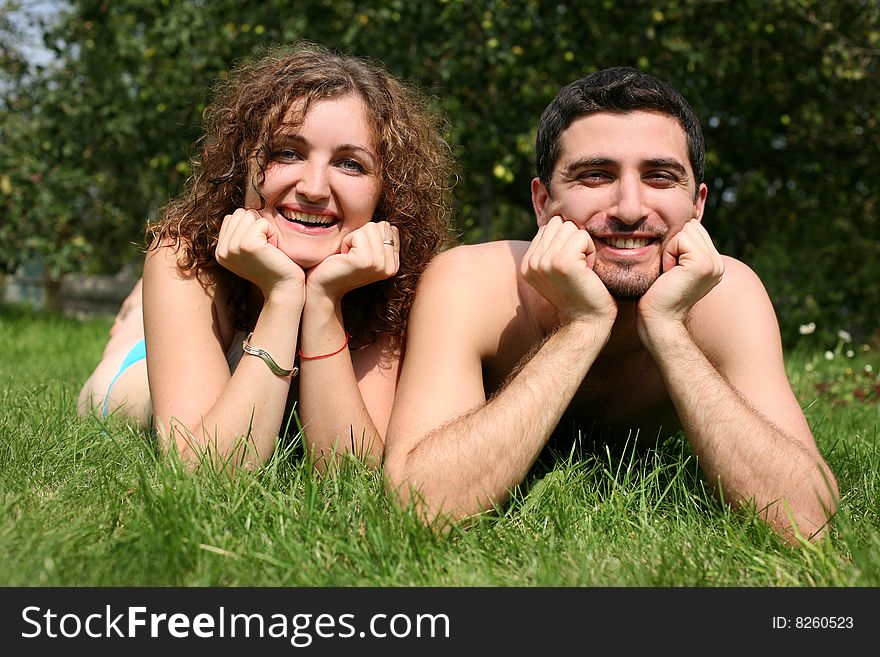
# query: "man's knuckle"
558,262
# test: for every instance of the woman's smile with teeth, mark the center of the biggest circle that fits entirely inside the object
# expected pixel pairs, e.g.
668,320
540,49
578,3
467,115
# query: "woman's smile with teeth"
306,218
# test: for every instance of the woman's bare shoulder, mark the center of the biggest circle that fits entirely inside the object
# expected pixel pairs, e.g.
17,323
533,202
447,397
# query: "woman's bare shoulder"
175,290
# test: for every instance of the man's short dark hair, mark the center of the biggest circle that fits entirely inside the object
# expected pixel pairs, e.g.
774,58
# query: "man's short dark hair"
619,90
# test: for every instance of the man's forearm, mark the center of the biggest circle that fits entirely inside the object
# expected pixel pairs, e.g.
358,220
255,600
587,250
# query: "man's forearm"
741,452
472,462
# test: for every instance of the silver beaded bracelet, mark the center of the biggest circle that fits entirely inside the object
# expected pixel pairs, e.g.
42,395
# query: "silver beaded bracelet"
264,355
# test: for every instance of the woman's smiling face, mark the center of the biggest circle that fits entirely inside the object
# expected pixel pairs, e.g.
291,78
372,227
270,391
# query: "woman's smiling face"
322,181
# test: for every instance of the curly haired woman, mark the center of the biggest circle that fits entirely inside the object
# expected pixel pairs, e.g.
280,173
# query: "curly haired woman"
284,273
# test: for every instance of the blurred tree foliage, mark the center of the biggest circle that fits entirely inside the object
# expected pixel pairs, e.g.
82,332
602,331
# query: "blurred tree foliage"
96,141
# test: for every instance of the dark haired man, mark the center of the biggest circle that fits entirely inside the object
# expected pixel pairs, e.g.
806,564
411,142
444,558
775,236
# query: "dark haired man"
620,316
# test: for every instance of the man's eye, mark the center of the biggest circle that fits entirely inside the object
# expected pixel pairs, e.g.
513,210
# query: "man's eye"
660,178
593,176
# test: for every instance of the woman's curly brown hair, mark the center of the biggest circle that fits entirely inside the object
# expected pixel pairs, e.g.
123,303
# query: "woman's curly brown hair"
248,109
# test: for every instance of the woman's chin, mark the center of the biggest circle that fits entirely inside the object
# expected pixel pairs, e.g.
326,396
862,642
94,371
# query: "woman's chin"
308,261
310,255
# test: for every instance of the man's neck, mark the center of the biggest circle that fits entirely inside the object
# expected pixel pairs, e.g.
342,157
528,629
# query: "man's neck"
624,335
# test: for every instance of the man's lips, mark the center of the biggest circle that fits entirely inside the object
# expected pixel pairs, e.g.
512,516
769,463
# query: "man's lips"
626,246
626,242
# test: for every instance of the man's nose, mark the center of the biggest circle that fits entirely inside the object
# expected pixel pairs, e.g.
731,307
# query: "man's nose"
313,181
629,207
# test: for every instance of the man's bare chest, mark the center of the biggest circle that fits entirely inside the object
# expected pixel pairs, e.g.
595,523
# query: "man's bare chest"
622,395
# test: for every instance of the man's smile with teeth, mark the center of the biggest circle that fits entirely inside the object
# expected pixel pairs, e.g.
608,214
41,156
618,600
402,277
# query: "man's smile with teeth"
626,242
306,218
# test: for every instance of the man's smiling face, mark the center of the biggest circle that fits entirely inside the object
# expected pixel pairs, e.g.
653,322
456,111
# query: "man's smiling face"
626,179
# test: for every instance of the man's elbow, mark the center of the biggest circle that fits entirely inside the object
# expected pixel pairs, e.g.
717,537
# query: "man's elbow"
812,519
827,499
398,484
408,490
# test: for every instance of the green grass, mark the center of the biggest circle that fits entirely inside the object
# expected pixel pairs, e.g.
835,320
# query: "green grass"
85,502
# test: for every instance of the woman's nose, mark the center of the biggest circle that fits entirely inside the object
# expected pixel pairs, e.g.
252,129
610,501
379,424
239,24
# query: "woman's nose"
313,181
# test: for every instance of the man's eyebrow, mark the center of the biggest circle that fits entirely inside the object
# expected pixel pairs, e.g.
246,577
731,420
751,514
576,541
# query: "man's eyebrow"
665,163
585,162
655,163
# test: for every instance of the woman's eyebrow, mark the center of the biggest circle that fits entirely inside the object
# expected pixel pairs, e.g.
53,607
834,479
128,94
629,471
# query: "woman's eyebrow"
296,138
355,147
291,137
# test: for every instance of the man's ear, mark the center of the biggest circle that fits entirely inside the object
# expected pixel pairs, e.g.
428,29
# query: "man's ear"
700,201
540,196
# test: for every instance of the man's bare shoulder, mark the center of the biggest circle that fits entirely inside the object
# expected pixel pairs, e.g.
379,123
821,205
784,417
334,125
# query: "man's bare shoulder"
736,310
472,291
472,269
738,282
500,256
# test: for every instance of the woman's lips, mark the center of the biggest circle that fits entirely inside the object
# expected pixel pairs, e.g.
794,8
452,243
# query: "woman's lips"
307,218
308,223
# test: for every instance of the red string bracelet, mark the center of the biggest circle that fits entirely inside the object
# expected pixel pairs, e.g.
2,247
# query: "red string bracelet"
332,353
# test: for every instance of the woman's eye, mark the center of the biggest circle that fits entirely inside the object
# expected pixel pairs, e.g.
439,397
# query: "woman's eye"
286,155
351,166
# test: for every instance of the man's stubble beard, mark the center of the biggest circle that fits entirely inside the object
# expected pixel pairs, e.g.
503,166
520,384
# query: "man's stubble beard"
623,279
623,283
